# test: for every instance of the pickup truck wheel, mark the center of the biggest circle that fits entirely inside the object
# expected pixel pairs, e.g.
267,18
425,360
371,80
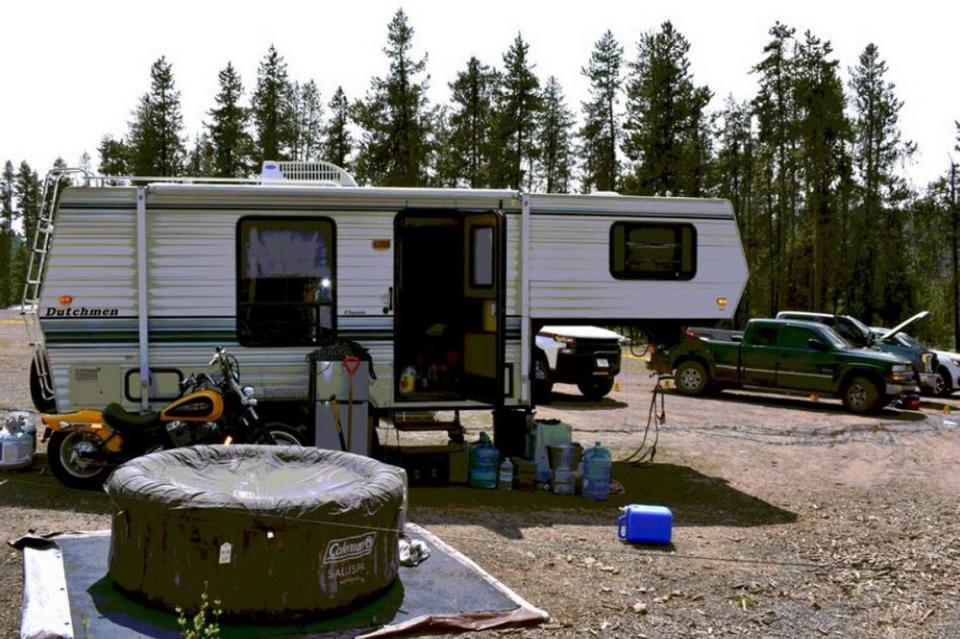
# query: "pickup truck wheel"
861,395
944,386
691,378
542,383
596,389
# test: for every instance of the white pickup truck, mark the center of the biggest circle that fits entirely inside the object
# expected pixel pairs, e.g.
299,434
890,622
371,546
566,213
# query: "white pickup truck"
587,356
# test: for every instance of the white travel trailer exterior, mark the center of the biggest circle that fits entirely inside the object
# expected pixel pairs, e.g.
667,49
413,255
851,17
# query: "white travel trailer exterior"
141,278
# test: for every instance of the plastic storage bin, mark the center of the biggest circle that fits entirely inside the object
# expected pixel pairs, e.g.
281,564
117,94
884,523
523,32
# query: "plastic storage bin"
645,524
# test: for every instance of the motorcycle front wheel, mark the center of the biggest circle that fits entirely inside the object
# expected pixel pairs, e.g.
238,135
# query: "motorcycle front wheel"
67,456
283,435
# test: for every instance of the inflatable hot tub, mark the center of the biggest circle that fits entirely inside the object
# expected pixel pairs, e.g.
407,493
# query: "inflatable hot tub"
272,531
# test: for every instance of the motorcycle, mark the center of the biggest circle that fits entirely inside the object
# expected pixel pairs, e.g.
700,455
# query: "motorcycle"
85,446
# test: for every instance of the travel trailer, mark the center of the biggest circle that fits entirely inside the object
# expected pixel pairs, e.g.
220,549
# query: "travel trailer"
134,281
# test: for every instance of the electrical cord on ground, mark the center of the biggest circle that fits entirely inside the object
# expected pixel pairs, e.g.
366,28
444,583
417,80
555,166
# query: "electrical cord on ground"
644,455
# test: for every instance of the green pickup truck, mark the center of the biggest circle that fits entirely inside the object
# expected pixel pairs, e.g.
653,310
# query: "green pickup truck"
786,355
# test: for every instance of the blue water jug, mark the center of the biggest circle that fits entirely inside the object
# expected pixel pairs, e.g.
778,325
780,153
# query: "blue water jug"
484,463
645,524
596,472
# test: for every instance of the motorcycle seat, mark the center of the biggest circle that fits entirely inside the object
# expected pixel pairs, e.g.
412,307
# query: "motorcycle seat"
118,417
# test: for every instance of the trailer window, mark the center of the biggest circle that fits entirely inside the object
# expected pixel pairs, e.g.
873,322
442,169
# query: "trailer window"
481,249
285,281
653,251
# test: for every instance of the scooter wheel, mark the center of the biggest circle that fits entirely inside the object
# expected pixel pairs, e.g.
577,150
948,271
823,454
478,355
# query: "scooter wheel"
65,456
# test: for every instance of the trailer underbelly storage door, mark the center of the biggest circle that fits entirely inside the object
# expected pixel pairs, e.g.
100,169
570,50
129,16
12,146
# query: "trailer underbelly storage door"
449,289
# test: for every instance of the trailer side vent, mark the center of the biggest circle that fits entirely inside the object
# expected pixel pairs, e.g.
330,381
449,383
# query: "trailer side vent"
324,172
86,374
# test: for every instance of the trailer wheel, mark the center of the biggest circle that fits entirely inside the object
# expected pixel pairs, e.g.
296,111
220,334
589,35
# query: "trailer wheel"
596,389
42,404
691,378
862,395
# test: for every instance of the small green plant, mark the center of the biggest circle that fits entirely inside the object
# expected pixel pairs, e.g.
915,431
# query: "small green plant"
203,625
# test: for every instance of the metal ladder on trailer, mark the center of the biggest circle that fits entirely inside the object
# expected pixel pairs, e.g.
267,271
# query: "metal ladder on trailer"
30,302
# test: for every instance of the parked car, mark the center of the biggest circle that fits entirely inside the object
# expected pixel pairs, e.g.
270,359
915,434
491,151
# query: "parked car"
947,364
786,355
948,372
859,334
587,356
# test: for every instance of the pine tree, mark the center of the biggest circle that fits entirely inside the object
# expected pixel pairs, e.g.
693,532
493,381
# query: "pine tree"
878,148
27,190
8,283
518,105
821,131
601,133
156,140
227,130
472,95
273,109
308,122
395,117
114,156
445,160
554,143
733,180
201,161
665,118
775,110
337,144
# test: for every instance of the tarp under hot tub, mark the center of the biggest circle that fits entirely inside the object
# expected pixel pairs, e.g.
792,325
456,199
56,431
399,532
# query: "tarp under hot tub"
67,594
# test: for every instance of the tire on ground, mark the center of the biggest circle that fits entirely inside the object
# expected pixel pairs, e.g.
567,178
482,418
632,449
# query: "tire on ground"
945,383
862,395
287,435
542,382
691,378
70,473
596,389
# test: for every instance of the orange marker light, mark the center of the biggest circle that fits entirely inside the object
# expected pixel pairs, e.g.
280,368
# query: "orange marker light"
228,440
65,299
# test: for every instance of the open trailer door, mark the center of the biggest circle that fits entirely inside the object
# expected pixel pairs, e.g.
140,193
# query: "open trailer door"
483,307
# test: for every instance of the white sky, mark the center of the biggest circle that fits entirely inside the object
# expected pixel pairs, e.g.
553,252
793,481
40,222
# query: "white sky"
73,71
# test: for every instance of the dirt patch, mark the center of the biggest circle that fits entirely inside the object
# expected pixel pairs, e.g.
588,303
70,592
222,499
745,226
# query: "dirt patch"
792,518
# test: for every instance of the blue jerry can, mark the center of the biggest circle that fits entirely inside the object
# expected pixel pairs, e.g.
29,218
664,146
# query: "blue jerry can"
645,524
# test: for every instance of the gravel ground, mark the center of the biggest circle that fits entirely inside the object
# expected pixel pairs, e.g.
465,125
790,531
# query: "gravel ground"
792,518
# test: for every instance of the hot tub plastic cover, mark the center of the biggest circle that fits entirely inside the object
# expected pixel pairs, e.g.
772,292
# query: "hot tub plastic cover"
273,531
